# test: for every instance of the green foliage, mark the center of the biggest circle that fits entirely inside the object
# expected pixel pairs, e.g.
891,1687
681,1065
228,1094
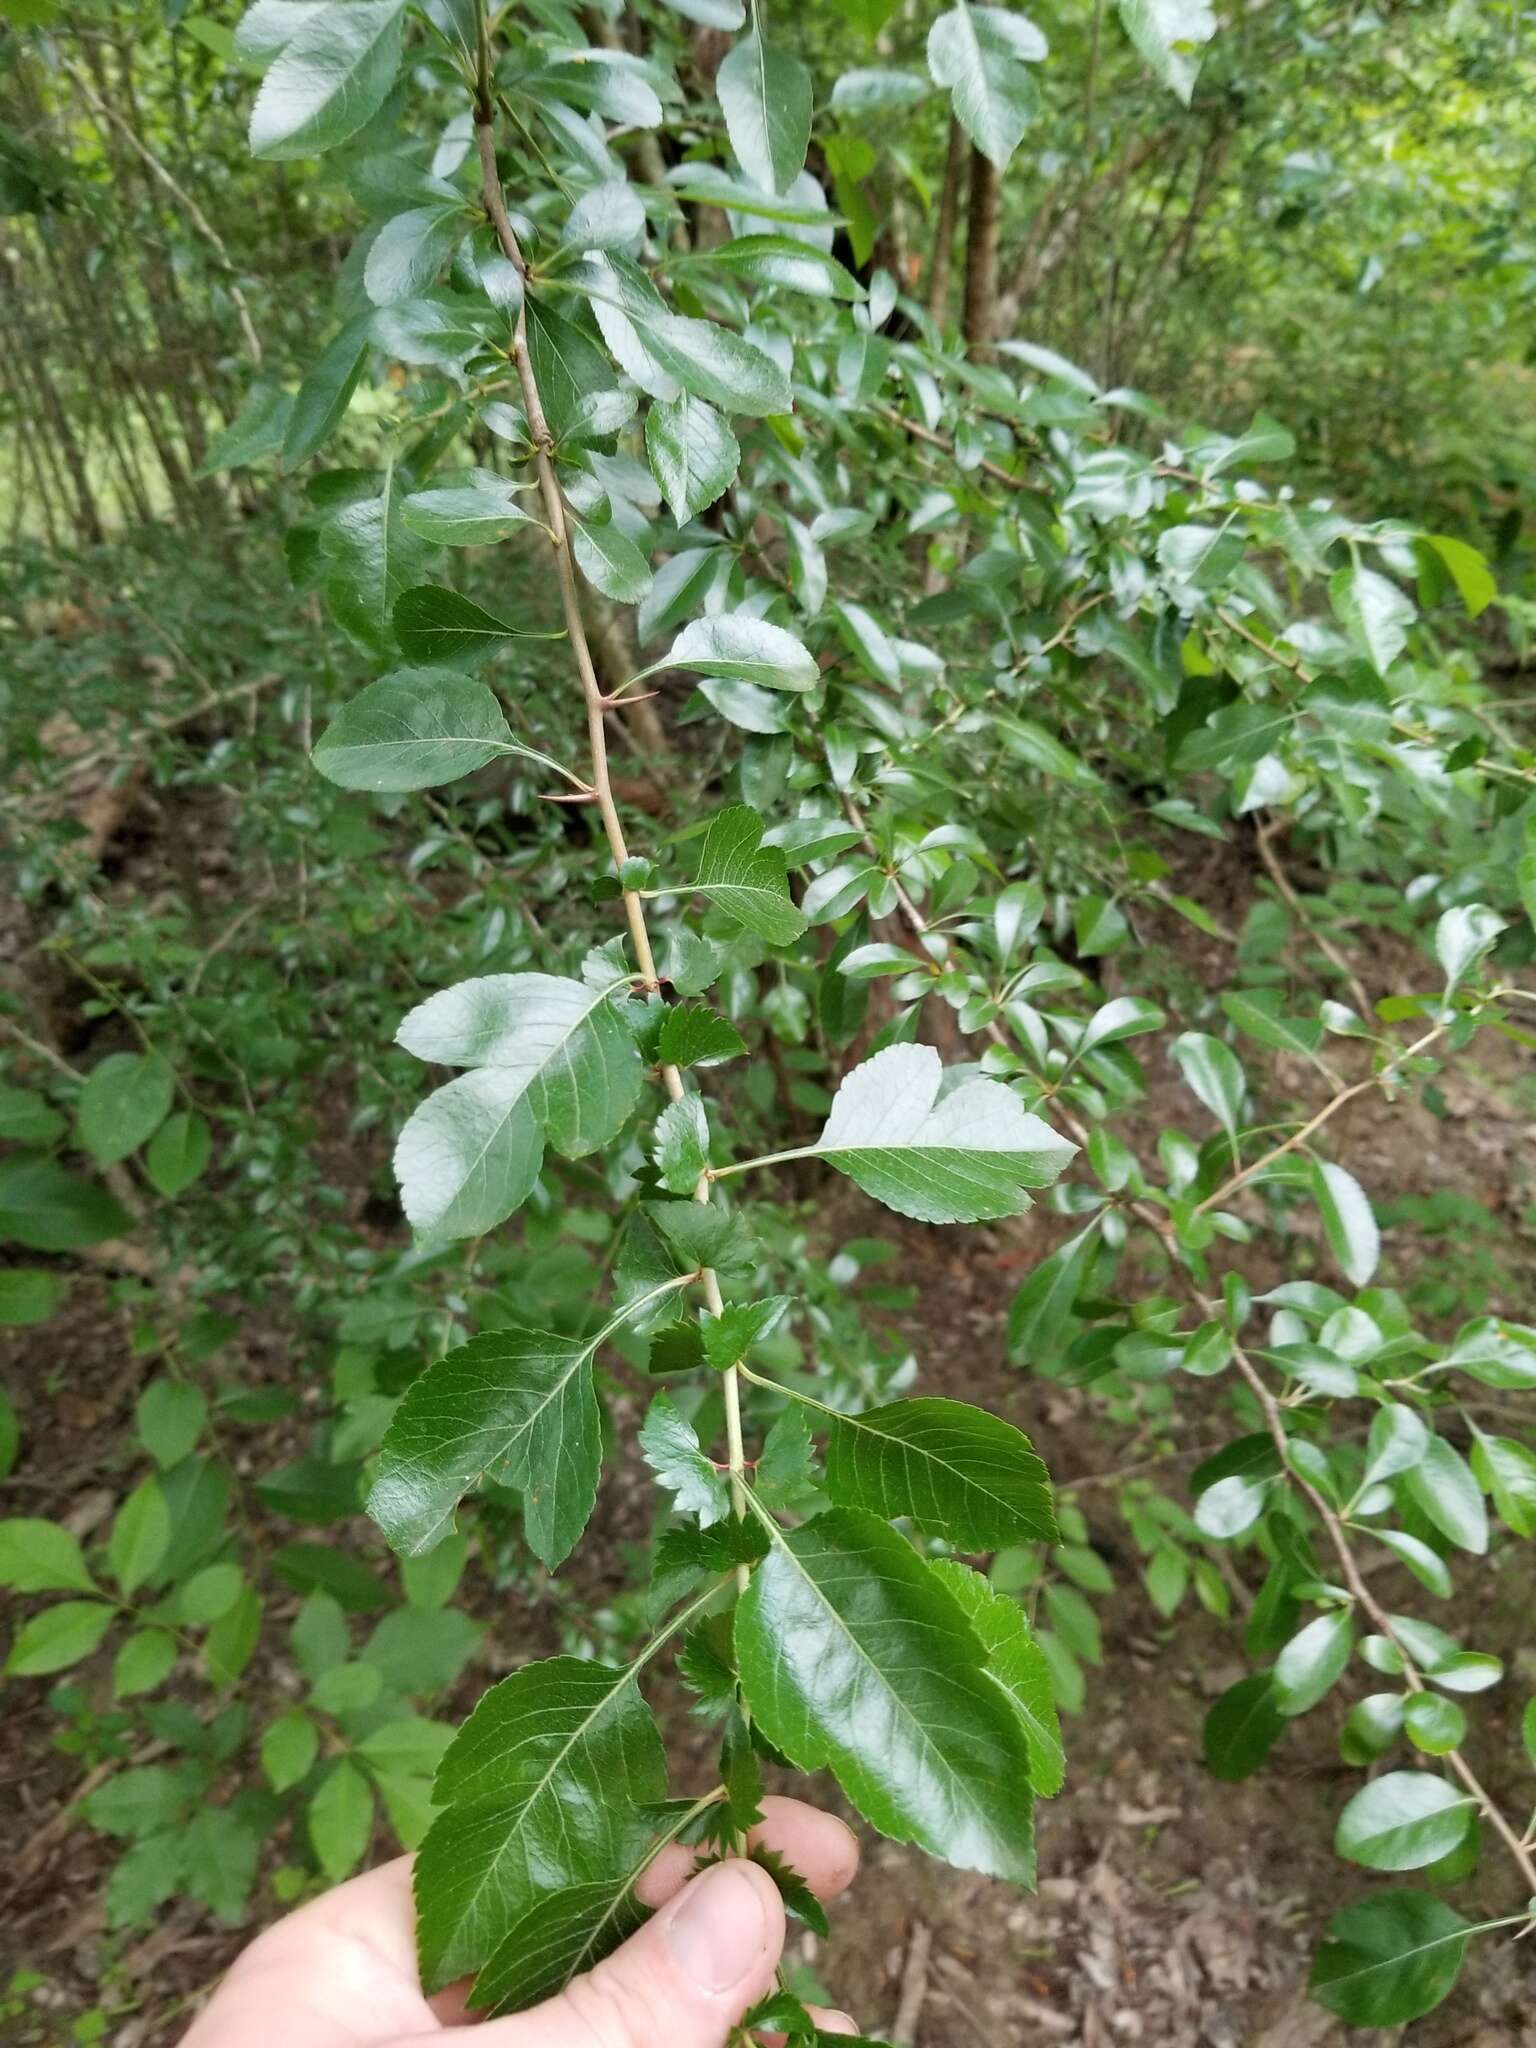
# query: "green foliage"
959,652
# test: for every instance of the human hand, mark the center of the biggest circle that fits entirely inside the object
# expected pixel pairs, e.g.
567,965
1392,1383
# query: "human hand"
341,1972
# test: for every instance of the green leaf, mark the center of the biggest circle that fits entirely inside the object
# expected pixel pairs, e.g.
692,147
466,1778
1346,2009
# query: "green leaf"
1435,1725
1463,937
126,1097
1373,612
955,1157
691,1036
178,1153
1349,1222
1397,1441
328,80
729,1336
478,511
1469,571
145,1660
1042,1308
27,1118
58,1637
1168,33
1500,1354
415,729
957,1471
1442,1487
748,648
257,429
1507,1470
321,401
1313,1661
610,560
29,1295
693,454
170,1416
565,1933
670,1446
1015,1662
1213,1071
745,879
1242,1728
422,1649
141,1535
370,558
1256,1012
844,1630
48,1209
1403,1821
1042,750
289,1746
765,95
408,252
42,1557
514,1405
339,1816
681,1150
786,265
1124,1017
539,1790
553,1059
980,55
581,397
436,625
1389,1959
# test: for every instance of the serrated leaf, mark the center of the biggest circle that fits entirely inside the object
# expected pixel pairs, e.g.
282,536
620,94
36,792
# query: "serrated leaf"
729,1335
1349,1222
739,645
329,78
610,560
957,1471
1213,1071
954,1158
691,1036
539,1790
766,97
434,625
980,54
478,511
566,1933
670,1446
552,1058
1169,33
1373,612
1015,1662
746,879
1042,1308
515,1405
415,729
681,1150
853,1655
693,454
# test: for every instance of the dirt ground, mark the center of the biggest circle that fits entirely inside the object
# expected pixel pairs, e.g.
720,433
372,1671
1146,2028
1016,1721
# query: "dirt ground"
1171,1909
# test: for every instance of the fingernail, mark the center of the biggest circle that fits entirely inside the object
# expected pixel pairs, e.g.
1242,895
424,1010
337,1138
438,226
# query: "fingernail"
838,2023
719,1929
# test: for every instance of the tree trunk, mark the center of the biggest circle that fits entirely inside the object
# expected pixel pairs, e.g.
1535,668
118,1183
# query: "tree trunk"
981,253
944,232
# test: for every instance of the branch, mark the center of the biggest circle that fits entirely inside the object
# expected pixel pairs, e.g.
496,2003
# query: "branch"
592,693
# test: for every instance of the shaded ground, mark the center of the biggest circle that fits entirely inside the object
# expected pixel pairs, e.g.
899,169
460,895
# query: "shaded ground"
1171,1909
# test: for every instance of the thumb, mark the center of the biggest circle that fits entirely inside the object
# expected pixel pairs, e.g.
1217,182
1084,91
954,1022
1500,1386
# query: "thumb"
683,1981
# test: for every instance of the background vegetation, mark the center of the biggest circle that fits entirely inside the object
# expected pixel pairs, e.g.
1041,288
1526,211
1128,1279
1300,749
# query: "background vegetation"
1154,515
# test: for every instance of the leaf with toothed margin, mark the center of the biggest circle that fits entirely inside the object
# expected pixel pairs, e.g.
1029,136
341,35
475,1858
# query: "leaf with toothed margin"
538,1790
854,1656
958,1157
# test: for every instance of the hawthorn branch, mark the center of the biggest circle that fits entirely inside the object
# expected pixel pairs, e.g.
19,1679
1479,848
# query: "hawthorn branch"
593,697
1293,903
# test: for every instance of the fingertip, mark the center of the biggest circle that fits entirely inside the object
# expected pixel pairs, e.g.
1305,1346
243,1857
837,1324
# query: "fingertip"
725,1928
821,1848
833,2022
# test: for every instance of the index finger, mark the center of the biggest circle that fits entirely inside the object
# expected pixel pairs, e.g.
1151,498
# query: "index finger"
817,1846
